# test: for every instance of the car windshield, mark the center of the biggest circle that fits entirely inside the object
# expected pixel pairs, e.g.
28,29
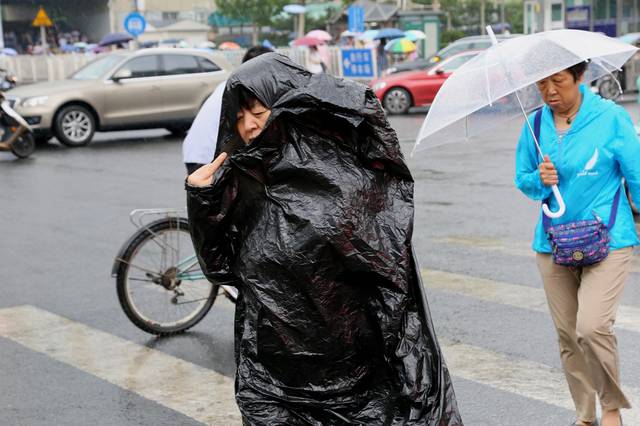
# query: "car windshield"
97,68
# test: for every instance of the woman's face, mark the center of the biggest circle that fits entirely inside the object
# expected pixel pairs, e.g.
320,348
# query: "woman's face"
250,120
560,91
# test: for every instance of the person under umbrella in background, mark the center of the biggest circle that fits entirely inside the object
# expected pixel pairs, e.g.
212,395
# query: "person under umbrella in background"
308,210
199,145
591,145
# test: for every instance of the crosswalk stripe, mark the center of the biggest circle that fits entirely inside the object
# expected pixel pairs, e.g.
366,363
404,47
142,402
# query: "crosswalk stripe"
506,247
208,397
526,378
518,296
194,391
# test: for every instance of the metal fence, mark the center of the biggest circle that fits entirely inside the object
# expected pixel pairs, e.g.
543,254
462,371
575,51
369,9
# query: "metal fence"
31,69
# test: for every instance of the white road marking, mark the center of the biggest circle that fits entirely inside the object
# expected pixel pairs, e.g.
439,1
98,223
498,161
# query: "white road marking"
519,296
526,378
207,396
194,391
511,248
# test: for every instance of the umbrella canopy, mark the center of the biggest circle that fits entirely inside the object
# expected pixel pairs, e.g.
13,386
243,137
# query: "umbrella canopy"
80,45
115,38
347,33
388,33
266,43
499,83
229,45
368,35
320,35
206,45
9,51
400,45
415,35
307,41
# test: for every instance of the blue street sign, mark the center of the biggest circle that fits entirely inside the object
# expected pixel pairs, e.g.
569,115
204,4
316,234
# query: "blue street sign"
357,63
356,19
135,24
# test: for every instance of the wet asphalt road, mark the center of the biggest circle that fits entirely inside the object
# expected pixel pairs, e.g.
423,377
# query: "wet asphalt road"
65,214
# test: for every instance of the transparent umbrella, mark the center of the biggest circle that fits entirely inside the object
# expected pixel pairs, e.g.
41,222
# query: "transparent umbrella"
499,84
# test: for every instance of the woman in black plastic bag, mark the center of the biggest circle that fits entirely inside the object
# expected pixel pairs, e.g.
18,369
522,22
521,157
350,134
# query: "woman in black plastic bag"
311,217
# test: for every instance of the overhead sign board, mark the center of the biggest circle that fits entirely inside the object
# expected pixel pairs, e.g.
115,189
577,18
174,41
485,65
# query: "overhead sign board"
355,18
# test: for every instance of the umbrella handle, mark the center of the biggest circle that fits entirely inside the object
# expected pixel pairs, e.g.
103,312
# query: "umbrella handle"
561,206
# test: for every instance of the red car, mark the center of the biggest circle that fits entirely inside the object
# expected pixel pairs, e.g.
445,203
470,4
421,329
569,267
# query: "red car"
401,91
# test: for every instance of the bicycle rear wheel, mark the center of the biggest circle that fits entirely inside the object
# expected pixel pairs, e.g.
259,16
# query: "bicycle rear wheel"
160,285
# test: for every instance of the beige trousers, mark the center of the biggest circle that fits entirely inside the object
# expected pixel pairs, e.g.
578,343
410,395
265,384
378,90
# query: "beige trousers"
583,303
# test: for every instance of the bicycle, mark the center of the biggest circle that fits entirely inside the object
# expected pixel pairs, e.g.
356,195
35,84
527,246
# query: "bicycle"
160,285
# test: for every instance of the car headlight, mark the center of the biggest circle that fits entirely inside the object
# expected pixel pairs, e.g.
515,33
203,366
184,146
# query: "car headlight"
379,86
35,101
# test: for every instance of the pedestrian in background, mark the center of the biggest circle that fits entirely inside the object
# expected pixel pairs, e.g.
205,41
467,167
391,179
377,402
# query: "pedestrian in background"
199,145
591,145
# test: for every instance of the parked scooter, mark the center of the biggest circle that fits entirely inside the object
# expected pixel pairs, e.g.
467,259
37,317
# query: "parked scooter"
15,133
7,80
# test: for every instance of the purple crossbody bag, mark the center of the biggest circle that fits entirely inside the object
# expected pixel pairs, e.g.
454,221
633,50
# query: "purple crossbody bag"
580,243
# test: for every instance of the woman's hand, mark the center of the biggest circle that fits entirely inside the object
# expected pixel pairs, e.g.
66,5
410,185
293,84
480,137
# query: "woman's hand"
204,175
548,172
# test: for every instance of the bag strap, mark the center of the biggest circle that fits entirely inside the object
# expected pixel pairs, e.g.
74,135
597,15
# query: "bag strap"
546,221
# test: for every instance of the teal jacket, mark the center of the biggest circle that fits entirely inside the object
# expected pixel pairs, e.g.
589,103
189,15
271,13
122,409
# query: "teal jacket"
600,148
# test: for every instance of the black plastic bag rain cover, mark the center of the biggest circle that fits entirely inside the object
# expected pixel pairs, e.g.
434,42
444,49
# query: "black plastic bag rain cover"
313,222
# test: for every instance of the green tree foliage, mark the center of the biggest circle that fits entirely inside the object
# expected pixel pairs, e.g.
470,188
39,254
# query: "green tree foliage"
259,12
464,15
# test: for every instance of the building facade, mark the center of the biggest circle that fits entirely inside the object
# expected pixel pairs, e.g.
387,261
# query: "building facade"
611,17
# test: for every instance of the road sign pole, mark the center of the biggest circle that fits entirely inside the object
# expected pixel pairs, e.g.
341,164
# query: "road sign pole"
1,30
43,38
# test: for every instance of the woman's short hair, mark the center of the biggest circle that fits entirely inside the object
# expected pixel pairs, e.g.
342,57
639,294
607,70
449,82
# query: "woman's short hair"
246,99
577,70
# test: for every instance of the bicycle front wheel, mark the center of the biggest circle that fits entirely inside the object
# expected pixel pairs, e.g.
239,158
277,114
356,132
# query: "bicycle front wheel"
160,285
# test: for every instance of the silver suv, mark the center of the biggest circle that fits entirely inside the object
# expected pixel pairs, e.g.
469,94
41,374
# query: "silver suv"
148,88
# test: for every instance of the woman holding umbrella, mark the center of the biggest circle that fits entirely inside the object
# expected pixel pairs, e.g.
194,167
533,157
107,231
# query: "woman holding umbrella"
591,145
586,145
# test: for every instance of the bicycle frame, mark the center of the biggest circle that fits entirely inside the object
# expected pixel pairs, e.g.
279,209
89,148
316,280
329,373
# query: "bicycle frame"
184,265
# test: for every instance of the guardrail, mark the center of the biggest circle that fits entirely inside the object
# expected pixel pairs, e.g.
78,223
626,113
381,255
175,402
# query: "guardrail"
31,69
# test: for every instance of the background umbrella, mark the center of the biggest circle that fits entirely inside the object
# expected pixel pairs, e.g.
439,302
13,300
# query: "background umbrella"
9,51
415,35
307,41
229,45
266,43
115,38
368,35
347,33
499,84
320,35
400,45
388,33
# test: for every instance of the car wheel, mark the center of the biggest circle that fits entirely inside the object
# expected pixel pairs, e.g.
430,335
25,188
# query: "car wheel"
75,125
608,88
397,101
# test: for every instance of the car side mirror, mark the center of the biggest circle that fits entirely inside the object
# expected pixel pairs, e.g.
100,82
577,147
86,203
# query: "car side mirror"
122,74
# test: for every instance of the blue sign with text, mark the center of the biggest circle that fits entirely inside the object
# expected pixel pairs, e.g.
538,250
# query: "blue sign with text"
355,18
135,24
357,63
